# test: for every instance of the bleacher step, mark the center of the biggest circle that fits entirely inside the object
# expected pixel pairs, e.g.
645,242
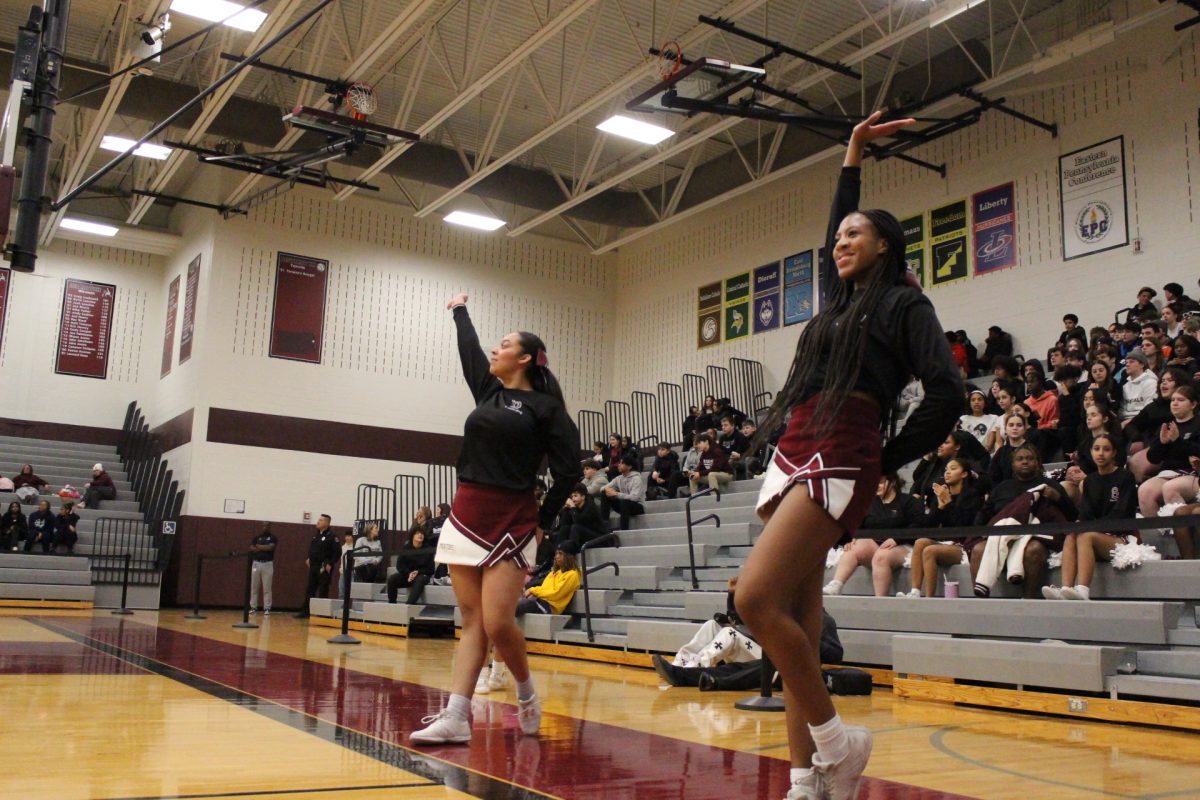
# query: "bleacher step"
42,562
75,447
1156,686
1176,663
658,612
44,591
62,577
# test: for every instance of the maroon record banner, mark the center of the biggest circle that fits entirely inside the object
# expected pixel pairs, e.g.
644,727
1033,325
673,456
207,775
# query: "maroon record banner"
192,291
85,328
5,280
169,332
298,318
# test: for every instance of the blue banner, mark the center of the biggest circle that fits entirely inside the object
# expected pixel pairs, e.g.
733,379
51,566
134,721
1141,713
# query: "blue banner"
798,288
994,229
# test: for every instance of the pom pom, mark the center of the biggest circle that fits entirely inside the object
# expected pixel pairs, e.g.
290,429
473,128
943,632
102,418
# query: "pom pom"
1133,554
832,557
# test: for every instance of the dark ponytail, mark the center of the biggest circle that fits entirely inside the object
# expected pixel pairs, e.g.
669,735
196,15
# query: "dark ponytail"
540,377
840,329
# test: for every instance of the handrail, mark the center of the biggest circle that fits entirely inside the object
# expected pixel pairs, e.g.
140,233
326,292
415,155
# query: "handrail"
638,443
347,578
200,559
587,598
687,509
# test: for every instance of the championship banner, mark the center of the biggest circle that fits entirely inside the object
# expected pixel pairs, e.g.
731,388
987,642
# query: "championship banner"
1092,189
914,246
798,288
708,307
766,298
948,245
737,306
5,280
168,351
84,328
298,318
191,293
994,228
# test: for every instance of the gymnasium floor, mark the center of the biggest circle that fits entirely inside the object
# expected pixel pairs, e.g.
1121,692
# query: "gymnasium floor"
156,706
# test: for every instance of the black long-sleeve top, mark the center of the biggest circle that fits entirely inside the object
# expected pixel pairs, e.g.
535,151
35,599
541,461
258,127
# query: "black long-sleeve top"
1004,493
511,431
1111,496
666,468
1174,455
906,340
960,512
410,558
323,549
1144,427
905,511
588,517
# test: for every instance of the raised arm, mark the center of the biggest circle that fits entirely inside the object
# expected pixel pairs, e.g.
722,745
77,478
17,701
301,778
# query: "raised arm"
470,352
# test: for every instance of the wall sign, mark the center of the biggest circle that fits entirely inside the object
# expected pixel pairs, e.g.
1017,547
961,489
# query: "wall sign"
708,308
84,328
798,288
948,243
188,332
914,246
298,318
737,306
168,351
994,229
767,301
1092,191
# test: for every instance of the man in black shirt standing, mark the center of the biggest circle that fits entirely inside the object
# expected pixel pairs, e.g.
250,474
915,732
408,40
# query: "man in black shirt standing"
262,570
323,552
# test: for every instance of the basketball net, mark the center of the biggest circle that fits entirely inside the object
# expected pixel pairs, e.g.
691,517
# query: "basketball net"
362,101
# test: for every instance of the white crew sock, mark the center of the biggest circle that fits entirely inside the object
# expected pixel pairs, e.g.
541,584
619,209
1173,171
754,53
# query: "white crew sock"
525,689
830,739
459,707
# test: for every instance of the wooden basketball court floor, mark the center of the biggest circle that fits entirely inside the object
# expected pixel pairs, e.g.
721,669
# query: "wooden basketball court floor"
156,706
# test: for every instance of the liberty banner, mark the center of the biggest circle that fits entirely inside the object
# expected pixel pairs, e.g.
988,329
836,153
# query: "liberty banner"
766,298
948,243
298,318
708,306
914,246
1092,186
798,288
737,306
994,229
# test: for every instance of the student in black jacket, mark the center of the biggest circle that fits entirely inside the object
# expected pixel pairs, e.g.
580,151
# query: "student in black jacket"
65,524
323,554
13,527
662,473
957,501
414,568
579,521
892,508
41,528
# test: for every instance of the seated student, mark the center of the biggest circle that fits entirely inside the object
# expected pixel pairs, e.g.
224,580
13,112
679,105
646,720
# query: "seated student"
957,503
726,409
1016,428
689,425
977,421
628,448
997,344
1141,385
910,399
100,487
435,524
1098,421
1108,493
28,485
972,353
890,509
959,352
1172,322
369,568
1028,495
733,442
930,468
1143,428
625,494
599,455
1072,330
554,593
1007,398
662,473
65,522
1102,382
1043,402
615,451
1130,339
1170,453
752,462
713,466
1185,354
1174,296
709,418
1070,407
1156,356
1144,308
691,461
13,527
414,568
595,479
41,528
579,521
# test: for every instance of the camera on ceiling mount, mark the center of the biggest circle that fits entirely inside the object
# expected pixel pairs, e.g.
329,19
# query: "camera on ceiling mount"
151,36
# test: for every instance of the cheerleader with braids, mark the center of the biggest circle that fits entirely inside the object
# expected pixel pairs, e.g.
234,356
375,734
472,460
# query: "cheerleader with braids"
490,538
875,331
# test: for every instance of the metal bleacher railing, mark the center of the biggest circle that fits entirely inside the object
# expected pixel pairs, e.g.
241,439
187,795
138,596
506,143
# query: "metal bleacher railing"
609,539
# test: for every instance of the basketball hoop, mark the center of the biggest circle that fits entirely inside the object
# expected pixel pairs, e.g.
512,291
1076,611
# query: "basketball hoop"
362,101
670,59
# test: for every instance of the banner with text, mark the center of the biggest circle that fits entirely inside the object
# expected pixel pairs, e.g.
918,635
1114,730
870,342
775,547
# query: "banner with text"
169,333
737,306
85,328
191,292
994,228
766,297
298,318
708,307
5,280
948,246
914,246
1092,191
798,288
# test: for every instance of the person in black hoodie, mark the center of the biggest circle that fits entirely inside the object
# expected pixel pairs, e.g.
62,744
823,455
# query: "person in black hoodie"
890,509
1177,441
41,528
1142,431
414,568
932,466
689,425
579,521
13,527
725,408
662,473
957,502
323,554
65,524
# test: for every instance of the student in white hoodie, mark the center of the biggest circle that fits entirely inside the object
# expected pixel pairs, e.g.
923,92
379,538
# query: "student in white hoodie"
1141,386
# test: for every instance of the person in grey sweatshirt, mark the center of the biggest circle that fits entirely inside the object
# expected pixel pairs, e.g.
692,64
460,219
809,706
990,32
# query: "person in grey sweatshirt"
625,493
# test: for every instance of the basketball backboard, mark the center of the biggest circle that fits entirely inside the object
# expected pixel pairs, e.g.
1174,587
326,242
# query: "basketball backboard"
338,125
693,86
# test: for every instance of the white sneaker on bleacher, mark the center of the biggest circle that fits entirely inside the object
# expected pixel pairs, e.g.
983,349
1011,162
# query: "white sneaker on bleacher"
909,593
1079,592
834,587
1052,593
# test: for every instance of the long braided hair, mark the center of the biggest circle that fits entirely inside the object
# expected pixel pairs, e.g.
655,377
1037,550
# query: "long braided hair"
841,329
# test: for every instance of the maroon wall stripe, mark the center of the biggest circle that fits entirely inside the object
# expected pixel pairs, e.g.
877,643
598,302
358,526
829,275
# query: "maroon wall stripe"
251,429
175,432
58,431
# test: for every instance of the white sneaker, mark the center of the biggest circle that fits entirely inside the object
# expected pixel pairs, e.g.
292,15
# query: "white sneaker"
833,587
841,779
253,611
1079,592
909,593
1052,593
267,613
442,728
484,681
498,679
810,787
529,715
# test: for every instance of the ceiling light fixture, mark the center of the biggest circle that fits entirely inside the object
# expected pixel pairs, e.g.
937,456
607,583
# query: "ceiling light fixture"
83,226
218,10
635,129
119,144
477,221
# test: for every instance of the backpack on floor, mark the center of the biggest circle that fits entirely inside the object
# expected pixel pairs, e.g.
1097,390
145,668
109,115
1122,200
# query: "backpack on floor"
847,680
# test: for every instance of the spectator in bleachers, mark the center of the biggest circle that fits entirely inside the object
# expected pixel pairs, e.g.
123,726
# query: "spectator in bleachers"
555,591
28,485
972,353
1102,382
957,503
579,521
1173,295
595,479
625,494
615,451
726,409
997,343
1007,399
1044,403
1155,360
1108,493
599,455
414,568
1169,454
14,527
369,568
262,568
959,352
1070,406
322,557
712,467
1144,308
1008,370
1072,330
892,508
735,444
1142,431
1141,385
909,401
628,448
422,521
689,464
41,528
1055,357
689,425
1131,339
1152,330
100,487
1171,322
1186,536
1185,354
65,527
435,524
1016,431
709,418
993,398
663,473
932,466
977,422
1098,421
752,462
